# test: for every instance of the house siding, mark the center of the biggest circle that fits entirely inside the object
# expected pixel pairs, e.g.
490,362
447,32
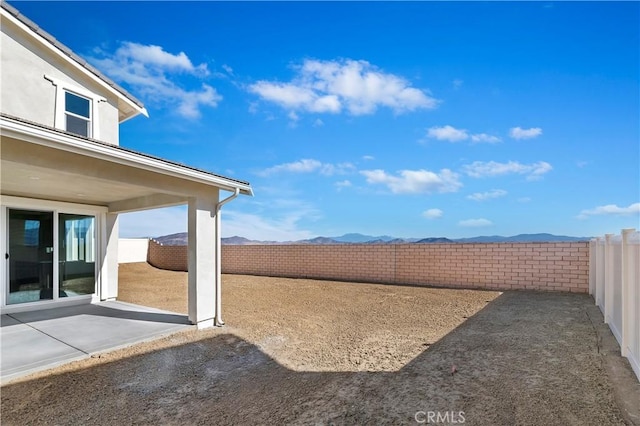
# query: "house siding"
28,95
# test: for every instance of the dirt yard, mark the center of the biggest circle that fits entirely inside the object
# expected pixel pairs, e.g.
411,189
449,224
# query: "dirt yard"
318,352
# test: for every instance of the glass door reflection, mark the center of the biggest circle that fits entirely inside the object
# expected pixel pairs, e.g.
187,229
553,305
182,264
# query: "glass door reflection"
77,245
30,256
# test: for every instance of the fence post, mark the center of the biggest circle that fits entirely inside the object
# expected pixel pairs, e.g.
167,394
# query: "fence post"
627,263
592,266
600,273
608,279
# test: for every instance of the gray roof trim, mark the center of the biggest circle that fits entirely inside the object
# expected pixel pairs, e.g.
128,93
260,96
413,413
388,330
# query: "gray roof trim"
68,52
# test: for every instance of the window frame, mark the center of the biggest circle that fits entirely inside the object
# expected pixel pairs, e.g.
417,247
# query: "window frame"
60,109
88,120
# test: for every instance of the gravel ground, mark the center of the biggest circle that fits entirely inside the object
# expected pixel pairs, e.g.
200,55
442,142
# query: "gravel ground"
319,352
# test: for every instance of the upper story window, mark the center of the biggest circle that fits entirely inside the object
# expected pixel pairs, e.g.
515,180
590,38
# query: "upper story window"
77,110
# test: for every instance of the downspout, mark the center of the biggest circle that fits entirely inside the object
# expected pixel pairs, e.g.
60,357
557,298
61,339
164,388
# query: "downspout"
218,311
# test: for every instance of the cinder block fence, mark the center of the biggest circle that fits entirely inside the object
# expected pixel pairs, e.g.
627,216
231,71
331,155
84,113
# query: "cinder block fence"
172,258
501,266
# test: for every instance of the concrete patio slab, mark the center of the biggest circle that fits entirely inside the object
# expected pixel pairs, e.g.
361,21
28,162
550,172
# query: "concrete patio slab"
37,340
25,349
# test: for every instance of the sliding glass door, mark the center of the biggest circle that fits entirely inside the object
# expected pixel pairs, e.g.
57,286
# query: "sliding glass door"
39,240
30,256
77,264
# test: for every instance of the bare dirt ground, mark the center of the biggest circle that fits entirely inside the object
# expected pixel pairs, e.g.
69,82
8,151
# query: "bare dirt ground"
318,352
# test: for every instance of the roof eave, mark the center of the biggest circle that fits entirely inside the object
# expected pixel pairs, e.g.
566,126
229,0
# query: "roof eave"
132,114
114,153
66,54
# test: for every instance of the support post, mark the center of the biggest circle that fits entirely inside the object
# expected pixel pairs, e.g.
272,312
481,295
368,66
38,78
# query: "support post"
218,278
109,268
202,259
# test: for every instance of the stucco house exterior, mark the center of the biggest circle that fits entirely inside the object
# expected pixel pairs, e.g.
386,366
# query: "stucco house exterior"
64,180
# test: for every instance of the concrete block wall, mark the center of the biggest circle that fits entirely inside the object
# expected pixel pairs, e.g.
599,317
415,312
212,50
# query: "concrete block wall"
503,266
172,258
353,262
500,266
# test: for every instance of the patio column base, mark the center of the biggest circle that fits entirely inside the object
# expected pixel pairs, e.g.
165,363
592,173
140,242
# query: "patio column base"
205,324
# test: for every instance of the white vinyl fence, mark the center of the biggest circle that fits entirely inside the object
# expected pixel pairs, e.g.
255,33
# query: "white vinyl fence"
132,250
614,282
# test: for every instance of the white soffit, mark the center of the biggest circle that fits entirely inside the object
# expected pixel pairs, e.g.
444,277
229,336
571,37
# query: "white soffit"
14,128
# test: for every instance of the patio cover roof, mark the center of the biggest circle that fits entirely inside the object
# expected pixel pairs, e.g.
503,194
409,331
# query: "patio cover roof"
46,163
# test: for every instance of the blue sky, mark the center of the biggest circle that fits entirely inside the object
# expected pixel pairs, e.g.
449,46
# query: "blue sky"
411,119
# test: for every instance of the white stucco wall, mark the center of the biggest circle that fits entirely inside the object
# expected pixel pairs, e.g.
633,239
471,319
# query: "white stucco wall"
27,94
131,250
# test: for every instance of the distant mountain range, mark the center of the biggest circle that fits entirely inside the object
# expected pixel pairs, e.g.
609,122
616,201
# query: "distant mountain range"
181,239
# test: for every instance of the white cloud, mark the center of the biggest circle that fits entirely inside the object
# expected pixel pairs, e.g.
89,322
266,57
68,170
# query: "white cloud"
432,213
475,223
451,134
190,102
368,157
332,86
483,137
479,169
292,96
611,209
329,169
520,133
274,218
153,223
415,181
447,133
263,228
302,166
318,123
278,219
539,169
308,165
343,184
152,74
293,118
253,107
482,196
524,199
227,69
151,55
